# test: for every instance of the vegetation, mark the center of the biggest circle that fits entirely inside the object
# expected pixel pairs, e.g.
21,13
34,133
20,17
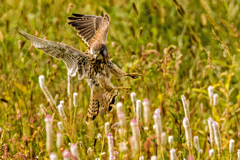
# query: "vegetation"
180,48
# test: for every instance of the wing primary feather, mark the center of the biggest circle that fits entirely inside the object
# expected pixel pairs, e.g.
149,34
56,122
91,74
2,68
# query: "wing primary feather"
87,27
69,55
84,31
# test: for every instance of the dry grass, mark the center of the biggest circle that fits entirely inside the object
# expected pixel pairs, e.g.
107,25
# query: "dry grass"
180,48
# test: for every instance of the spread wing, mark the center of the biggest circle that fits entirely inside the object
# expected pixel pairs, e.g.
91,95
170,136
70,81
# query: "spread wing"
90,28
70,56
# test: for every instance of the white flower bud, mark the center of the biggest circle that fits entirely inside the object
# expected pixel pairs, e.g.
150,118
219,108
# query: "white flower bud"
211,153
173,154
60,127
138,110
211,131
48,121
210,94
53,156
90,151
186,125
59,140
122,119
66,155
110,145
122,147
41,81
158,125
231,146
217,136
119,107
141,158
238,154
99,136
62,103
146,112
153,157
185,107
75,99
157,111
170,140
74,151
135,136
107,128
133,99
215,100
45,91
61,111
163,139
196,143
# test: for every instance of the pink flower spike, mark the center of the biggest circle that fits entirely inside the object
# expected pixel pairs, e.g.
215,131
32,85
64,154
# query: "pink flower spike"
47,116
145,100
120,114
133,121
66,154
157,111
116,153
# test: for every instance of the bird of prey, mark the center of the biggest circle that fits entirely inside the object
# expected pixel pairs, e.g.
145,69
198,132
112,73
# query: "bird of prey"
94,64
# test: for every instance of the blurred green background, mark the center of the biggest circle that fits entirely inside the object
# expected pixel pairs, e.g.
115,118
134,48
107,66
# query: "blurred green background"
172,44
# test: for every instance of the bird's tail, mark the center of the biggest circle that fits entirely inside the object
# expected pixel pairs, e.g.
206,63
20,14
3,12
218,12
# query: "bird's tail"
100,104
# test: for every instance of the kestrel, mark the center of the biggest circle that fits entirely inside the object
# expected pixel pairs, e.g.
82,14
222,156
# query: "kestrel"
94,64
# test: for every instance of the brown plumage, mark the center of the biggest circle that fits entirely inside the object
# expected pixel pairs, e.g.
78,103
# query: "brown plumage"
94,64
90,28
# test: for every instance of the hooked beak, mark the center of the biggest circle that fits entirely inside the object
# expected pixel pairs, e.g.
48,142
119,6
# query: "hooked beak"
97,56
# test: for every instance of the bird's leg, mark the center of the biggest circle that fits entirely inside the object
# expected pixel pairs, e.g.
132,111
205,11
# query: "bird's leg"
107,85
117,72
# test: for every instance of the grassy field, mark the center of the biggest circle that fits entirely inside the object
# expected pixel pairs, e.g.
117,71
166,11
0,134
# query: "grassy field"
180,48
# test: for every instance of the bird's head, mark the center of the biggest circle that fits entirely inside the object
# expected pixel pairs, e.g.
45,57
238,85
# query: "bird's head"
99,51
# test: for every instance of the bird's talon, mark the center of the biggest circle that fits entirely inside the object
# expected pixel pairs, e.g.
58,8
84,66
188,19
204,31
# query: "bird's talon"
134,75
